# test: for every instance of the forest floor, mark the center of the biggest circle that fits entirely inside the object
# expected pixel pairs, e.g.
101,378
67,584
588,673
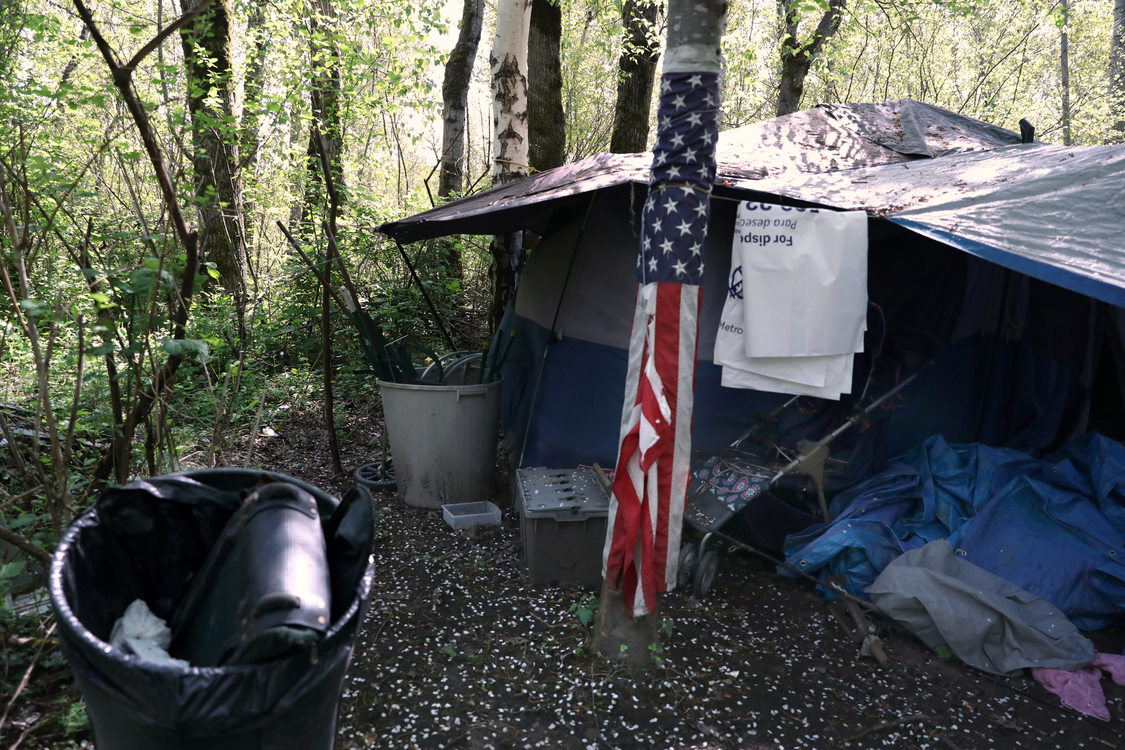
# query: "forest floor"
460,651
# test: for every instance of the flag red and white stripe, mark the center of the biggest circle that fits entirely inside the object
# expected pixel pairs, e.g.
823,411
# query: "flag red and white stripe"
654,455
654,461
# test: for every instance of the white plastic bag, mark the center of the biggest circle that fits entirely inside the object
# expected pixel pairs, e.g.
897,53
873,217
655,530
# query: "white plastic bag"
807,270
804,282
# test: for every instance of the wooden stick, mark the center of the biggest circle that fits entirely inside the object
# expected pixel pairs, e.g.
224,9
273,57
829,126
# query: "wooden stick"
27,675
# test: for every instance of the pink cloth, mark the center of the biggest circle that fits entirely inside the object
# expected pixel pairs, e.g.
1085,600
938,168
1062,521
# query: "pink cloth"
1112,663
1082,688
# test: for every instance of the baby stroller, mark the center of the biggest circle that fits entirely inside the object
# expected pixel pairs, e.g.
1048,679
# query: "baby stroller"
743,484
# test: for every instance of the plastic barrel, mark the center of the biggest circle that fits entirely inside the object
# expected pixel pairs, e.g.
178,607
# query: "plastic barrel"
145,540
443,440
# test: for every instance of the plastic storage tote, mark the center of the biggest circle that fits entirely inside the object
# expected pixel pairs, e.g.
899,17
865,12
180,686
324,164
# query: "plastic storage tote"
562,525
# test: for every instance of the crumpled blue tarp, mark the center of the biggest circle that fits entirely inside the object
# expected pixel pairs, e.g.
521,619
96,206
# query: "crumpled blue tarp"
1053,526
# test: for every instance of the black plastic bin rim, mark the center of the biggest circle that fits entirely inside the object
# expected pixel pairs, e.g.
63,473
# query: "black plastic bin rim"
69,621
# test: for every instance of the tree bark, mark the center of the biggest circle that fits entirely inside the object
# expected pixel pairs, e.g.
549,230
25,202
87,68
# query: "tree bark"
252,88
636,72
509,90
218,187
683,160
455,102
796,56
326,131
455,98
510,155
546,123
1117,73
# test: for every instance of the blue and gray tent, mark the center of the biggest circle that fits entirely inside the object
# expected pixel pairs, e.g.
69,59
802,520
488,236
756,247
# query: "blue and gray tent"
1002,261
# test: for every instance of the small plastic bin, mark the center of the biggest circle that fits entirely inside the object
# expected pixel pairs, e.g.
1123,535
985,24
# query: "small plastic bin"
562,525
470,515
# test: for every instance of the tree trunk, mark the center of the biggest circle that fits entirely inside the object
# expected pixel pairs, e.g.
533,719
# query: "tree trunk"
509,90
324,100
636,71
1117,73
546,123
252,87
1064,71
796,56
683,170
218,188
455,99
509,106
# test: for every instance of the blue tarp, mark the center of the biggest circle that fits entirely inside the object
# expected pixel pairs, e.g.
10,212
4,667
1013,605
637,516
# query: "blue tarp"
1053,526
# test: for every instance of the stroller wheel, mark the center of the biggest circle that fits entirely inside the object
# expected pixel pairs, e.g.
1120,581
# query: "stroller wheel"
705,571
689,554
379,475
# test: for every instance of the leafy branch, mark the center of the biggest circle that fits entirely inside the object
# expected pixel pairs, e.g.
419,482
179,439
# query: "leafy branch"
122,76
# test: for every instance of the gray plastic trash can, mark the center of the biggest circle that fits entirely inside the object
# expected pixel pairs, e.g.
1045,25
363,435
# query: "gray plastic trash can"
443,440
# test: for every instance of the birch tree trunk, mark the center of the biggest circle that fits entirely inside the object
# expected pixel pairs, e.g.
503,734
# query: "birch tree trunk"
510,143
546,122
455,99
218,187
1117,72
636,71
509,90
797,56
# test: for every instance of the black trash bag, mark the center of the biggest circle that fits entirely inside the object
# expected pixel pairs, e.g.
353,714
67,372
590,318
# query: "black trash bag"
146,541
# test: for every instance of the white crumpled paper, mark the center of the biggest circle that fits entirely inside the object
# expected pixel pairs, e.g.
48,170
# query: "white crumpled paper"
141,633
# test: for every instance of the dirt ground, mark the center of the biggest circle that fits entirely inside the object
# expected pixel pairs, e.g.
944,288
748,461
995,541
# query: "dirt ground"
460,651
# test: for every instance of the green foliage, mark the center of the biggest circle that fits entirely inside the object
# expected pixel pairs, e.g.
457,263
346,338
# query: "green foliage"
97,269
585,609
73,717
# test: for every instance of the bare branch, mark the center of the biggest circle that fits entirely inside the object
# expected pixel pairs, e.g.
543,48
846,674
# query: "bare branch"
157,40
28,548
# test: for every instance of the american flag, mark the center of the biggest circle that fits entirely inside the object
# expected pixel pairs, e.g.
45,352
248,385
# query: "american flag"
647,507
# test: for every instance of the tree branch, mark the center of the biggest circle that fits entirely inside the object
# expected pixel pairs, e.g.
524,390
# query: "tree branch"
162,379
157,40
28,548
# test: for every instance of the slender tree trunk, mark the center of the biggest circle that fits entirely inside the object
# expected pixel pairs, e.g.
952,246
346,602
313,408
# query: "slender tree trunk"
509,90
1117,73
636,71
181,305
683,170
1064,71
546,123
455,102
797,56
218,188
324,99
510,153
252,87
455,99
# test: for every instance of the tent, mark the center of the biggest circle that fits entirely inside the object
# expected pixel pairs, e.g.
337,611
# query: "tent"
999,260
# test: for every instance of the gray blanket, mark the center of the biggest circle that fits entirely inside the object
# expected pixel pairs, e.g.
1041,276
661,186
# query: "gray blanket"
985,621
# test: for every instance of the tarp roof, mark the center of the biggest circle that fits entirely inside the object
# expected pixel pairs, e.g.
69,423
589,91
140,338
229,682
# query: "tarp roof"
1054,213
